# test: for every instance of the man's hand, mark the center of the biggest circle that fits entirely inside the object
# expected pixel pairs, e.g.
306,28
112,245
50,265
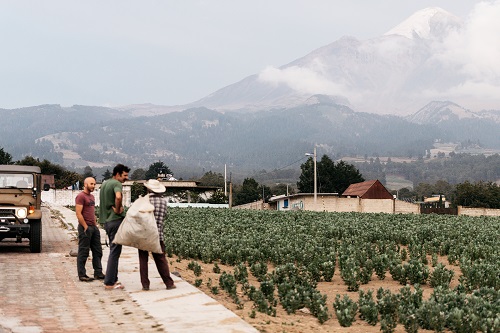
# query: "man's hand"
117,211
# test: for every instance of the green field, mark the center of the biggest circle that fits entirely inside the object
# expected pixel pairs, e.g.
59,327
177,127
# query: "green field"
306,248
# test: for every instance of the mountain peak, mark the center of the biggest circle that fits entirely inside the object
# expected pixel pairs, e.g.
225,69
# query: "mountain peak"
427,23
440,111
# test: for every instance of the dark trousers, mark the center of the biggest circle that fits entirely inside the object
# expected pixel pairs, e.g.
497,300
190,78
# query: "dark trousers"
89,240
115,250
161,265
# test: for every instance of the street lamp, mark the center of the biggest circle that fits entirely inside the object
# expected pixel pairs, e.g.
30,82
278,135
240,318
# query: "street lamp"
315,175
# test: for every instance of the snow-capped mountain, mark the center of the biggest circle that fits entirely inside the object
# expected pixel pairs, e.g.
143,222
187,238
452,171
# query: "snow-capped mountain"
396,73
429,23
445,111
437,112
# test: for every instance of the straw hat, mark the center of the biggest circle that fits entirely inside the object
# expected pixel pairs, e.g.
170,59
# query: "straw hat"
155,186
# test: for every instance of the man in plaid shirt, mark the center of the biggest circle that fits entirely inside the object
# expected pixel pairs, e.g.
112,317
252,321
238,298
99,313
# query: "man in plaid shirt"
156,190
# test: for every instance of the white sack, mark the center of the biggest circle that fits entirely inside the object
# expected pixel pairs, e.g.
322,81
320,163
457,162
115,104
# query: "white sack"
139,228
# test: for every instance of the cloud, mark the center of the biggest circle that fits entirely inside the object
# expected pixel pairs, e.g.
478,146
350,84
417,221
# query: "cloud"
471,56
302,80
476,49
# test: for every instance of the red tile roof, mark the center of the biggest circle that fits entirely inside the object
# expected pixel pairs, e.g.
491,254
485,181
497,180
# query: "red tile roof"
370,189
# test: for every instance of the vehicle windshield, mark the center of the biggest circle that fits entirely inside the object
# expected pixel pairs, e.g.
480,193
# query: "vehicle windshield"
19,180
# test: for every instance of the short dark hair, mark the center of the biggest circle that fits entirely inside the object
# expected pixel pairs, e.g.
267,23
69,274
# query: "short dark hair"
119,169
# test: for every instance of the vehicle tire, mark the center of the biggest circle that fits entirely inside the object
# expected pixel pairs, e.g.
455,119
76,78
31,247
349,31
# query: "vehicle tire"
36,236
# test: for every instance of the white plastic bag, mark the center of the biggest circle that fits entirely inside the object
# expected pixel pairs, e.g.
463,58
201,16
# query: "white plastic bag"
139,228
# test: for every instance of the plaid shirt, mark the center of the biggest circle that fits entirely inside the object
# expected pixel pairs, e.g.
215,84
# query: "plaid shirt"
160,212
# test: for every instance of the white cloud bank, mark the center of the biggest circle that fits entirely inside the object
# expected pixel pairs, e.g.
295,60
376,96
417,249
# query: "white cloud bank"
474,52
303,80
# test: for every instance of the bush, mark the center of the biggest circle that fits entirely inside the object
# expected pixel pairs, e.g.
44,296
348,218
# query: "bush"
409,303
441,276
367,307
417,271
431,316
351,274
345,309
388,309
328,270
195,267
241,273
259,270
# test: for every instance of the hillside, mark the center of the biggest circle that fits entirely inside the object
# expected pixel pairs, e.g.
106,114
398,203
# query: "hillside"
206,139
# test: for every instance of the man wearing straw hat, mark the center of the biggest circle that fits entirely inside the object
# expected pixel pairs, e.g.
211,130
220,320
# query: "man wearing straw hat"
156,190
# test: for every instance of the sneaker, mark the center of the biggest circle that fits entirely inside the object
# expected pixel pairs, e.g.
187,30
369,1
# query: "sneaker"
145,288
171,287
114,286
86,278
99,276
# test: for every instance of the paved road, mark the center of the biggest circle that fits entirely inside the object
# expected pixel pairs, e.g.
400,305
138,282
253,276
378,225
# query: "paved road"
40,292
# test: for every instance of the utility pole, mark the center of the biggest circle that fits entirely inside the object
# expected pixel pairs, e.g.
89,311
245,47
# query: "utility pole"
263,200
315,177
315,174
230,192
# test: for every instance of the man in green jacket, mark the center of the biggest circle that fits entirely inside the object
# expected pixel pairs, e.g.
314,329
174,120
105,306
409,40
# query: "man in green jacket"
111,214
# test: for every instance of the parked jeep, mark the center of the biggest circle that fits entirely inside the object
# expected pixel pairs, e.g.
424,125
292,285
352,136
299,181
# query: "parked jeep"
20,201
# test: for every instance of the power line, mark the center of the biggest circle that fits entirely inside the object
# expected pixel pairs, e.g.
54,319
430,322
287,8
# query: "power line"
302,158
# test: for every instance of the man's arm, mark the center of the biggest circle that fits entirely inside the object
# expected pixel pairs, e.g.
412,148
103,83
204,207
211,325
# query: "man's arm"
79,216
118,207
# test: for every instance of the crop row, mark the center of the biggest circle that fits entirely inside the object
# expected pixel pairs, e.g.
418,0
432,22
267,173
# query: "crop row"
310,245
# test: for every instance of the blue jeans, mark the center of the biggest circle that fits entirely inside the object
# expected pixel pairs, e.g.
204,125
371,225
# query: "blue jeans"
89,240
115,250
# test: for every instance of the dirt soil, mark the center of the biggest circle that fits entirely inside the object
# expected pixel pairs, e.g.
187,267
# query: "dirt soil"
301,321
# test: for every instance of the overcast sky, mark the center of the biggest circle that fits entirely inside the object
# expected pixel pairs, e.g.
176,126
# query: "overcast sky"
119,52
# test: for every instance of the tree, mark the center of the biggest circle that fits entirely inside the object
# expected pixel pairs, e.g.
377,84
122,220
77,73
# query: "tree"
331,177
106,175
157,168
87,172
344,175
138,174
281,188
326,175
5,157
405,193
265,192
218,198
212,179
62,177
480,194
443,187
306,179
249,192
137,190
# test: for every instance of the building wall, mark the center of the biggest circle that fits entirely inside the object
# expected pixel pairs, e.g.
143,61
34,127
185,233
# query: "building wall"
403,207
257,205
377,206
478,211
336,204
64,197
